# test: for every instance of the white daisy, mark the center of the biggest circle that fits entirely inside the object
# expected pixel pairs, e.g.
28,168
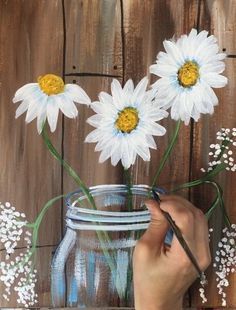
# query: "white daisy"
125,123
188,70
45,98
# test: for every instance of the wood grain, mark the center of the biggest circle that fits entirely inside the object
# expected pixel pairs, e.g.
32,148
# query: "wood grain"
93,46
217,16
101,38
147,24
30,45
28,172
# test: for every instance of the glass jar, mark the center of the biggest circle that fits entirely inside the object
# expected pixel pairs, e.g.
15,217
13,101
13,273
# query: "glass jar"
92,266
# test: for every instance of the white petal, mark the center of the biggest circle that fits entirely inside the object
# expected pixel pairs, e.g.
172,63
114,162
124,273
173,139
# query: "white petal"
40,120
215,80
117,93
26,91
163,70
126,160
77,94
173,51
97,107
42,114
129,86
52,114
32,112
67,106
105,154
93,136
151,142
193,33
141,87
22,108
105,98
216,67
95,120
116,156
143,152
156,129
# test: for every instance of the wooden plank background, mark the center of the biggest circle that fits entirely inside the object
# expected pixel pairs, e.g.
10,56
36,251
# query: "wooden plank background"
89,42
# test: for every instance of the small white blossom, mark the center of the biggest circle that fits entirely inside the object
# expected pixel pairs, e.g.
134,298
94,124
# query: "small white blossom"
220,152
16,274
225,260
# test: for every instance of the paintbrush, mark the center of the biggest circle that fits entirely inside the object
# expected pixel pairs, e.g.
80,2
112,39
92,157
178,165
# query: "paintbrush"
181,240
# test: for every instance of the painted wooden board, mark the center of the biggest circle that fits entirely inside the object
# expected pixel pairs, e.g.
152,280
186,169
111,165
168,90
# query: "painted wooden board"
93,46
101,39
146,25
30,45
217,17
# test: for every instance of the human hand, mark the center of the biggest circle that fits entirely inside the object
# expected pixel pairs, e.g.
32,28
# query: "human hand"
162,274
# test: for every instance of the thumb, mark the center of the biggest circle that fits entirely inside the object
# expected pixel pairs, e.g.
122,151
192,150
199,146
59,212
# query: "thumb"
155,234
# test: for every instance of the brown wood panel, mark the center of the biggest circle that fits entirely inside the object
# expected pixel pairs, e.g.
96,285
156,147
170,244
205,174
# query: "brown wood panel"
30,45
93,46
146,25
219,18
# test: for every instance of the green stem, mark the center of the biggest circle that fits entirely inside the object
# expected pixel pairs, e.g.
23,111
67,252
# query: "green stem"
207,177
221,201
35,226
129,191
188,185
218,200
67,167
102,235
212,208
166,154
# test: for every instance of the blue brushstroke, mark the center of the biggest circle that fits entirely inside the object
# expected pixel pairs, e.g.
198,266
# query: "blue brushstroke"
91,275
73,293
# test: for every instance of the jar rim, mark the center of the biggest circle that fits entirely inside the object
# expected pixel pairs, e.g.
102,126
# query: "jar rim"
90,216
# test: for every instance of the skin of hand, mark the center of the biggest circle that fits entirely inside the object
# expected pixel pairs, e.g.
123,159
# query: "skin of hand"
162,274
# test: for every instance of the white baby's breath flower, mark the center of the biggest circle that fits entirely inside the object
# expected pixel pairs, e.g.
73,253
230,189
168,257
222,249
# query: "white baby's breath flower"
225,260
11,227
126,122
16,272
223,152
189,69
44,99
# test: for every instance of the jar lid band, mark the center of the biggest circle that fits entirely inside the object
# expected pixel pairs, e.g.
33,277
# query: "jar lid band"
96,227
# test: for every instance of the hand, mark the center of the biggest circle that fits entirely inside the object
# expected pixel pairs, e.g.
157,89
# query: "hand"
162,274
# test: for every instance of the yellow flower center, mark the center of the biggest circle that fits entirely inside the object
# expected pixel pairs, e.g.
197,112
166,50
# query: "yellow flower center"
127,120
188,74
51,84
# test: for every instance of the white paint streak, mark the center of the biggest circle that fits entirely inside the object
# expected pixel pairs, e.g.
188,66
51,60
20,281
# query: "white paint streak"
80,268
121,273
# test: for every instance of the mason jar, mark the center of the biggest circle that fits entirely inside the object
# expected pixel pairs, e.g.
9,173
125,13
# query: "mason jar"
92,266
